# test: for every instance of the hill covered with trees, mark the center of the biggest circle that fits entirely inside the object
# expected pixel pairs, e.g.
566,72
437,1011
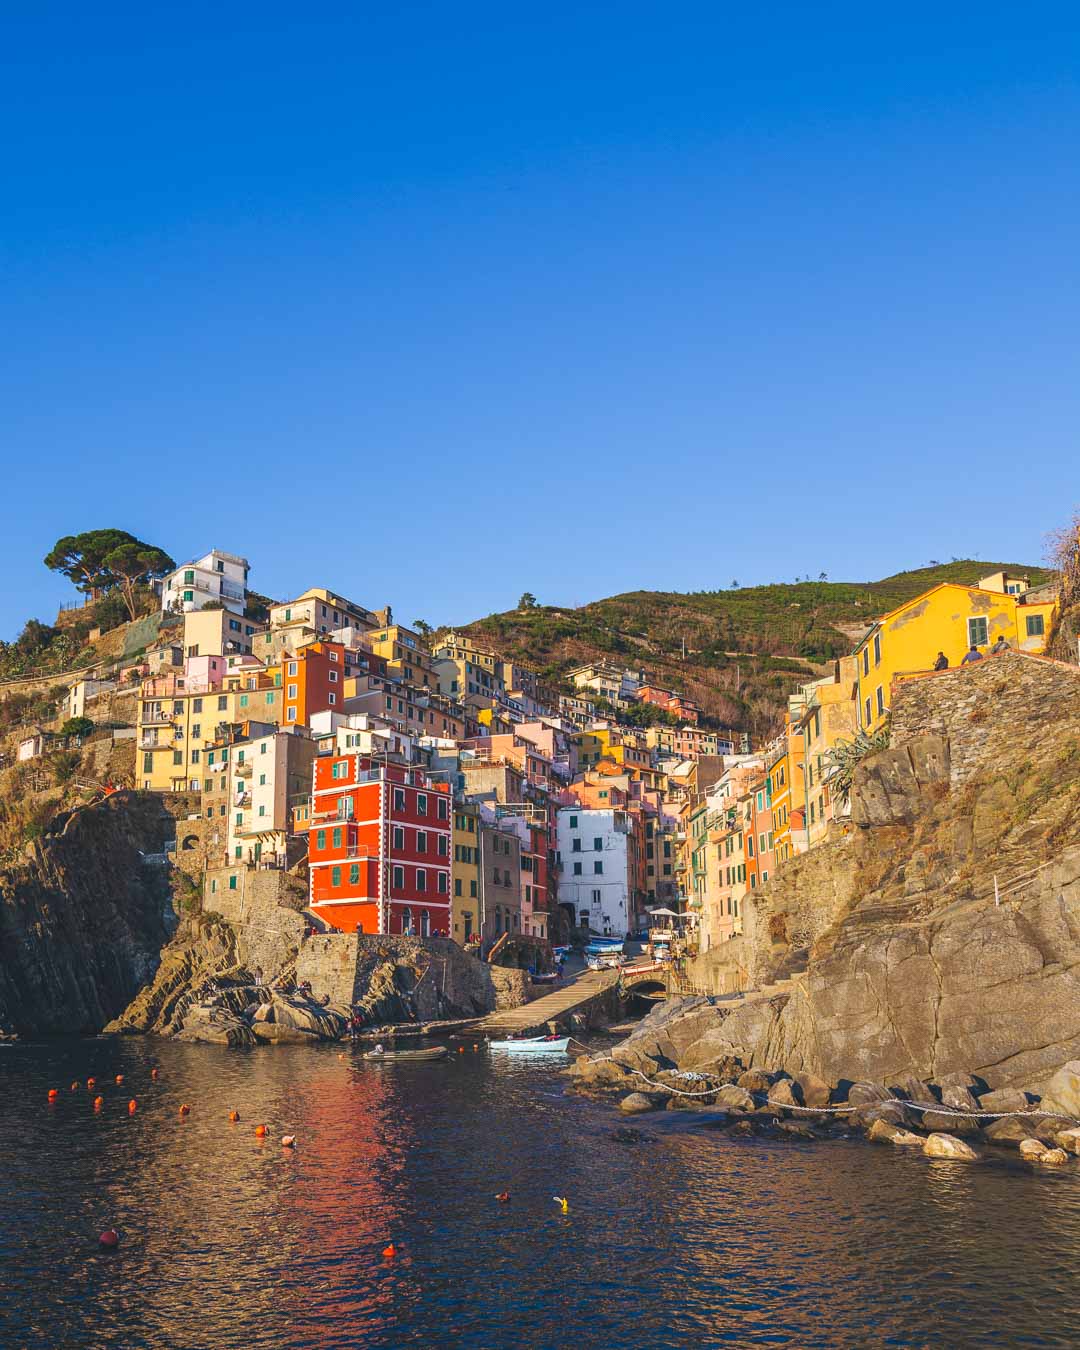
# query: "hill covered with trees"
739,651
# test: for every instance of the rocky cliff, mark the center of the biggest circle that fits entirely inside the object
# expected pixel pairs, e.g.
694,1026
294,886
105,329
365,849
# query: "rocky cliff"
83,917
939,932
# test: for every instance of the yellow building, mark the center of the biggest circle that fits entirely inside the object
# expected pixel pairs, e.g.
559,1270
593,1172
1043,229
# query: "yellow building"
175,729
405,655
466,916
949,619
829,716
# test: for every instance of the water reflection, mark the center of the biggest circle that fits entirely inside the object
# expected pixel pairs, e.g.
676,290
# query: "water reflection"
691,1239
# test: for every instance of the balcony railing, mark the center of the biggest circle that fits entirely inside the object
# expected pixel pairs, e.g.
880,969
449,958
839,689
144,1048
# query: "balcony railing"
242,770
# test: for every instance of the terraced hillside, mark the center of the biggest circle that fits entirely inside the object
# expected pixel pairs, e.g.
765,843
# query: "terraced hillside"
745,649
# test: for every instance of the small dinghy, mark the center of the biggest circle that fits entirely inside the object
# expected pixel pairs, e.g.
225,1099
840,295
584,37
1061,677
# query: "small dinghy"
431,1052
534,1045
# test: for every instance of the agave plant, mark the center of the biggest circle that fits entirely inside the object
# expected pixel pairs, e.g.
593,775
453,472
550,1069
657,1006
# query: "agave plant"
845,756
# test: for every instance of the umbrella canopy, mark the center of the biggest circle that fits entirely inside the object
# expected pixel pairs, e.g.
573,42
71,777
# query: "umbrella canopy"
666,913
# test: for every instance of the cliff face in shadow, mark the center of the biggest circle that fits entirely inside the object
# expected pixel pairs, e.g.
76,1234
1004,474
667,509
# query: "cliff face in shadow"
83,917
886,951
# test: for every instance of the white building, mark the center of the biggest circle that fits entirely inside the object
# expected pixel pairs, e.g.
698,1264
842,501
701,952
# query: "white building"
344,733
594,868
268,774
215,578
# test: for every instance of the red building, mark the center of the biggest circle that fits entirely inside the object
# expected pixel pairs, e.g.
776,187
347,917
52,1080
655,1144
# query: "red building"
379,847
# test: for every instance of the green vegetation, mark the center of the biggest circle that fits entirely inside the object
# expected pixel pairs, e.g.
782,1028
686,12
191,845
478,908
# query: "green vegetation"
739,652
103,562
77,726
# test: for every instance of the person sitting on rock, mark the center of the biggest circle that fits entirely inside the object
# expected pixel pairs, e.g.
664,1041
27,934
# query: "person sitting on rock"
1001,645
942,662
971,656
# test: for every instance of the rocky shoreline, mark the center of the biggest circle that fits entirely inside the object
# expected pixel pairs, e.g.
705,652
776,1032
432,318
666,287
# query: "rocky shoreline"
675,1060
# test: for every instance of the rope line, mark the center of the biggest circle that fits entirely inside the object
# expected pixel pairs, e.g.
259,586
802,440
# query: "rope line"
937,1107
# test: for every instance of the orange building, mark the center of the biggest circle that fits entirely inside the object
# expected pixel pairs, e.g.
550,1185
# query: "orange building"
314,680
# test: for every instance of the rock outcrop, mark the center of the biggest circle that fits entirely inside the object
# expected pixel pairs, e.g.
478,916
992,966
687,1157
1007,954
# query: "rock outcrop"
84,916
886,951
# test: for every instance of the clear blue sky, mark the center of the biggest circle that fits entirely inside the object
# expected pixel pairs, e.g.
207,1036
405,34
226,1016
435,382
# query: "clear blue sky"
434,304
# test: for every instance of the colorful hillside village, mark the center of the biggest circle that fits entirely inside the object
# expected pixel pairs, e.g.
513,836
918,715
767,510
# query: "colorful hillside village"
431,786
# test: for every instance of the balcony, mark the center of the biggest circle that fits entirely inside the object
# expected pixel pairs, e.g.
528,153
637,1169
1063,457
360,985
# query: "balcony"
242,770
157,719
242,799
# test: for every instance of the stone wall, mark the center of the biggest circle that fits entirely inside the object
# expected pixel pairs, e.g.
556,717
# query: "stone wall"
434,978
265,910
998,708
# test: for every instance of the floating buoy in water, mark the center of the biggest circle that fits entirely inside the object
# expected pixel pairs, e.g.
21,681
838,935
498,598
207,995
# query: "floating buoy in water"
53,1094
119,1078
185,1110
564,1205
389,1252
91,1083
260,1131
234,1116
74,1087
99,1102
110,1240
503,1197
288,1141
461,1049
153,1073
133,1106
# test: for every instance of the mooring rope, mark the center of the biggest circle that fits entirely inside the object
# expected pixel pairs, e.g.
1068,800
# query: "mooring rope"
937,1107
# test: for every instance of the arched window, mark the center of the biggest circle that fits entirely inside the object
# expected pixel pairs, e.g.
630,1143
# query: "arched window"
425,923
406,920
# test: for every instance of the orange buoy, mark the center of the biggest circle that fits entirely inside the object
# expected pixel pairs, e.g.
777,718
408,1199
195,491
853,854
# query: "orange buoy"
119,1078
74,1087
153,1073
53,1094
461,1049
185,1109
390,1251
99,1102
91,1084
288,1141
260,1131
133,1106
503,1197
234,1116
110,1239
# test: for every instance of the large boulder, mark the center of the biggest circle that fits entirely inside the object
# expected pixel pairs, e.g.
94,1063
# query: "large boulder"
1004,1099
881,1132
957,1094
864,1094
734,1098
636,1103
1063,1091
755,1080
945,1120
948,1146
1069,1140
1031,1150
1054,1157
914,1089
1008,1131
814,1091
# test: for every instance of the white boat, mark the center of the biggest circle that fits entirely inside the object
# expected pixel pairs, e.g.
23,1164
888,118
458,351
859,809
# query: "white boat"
534,1045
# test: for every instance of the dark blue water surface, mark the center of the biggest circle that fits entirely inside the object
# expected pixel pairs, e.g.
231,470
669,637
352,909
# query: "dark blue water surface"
690,1239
